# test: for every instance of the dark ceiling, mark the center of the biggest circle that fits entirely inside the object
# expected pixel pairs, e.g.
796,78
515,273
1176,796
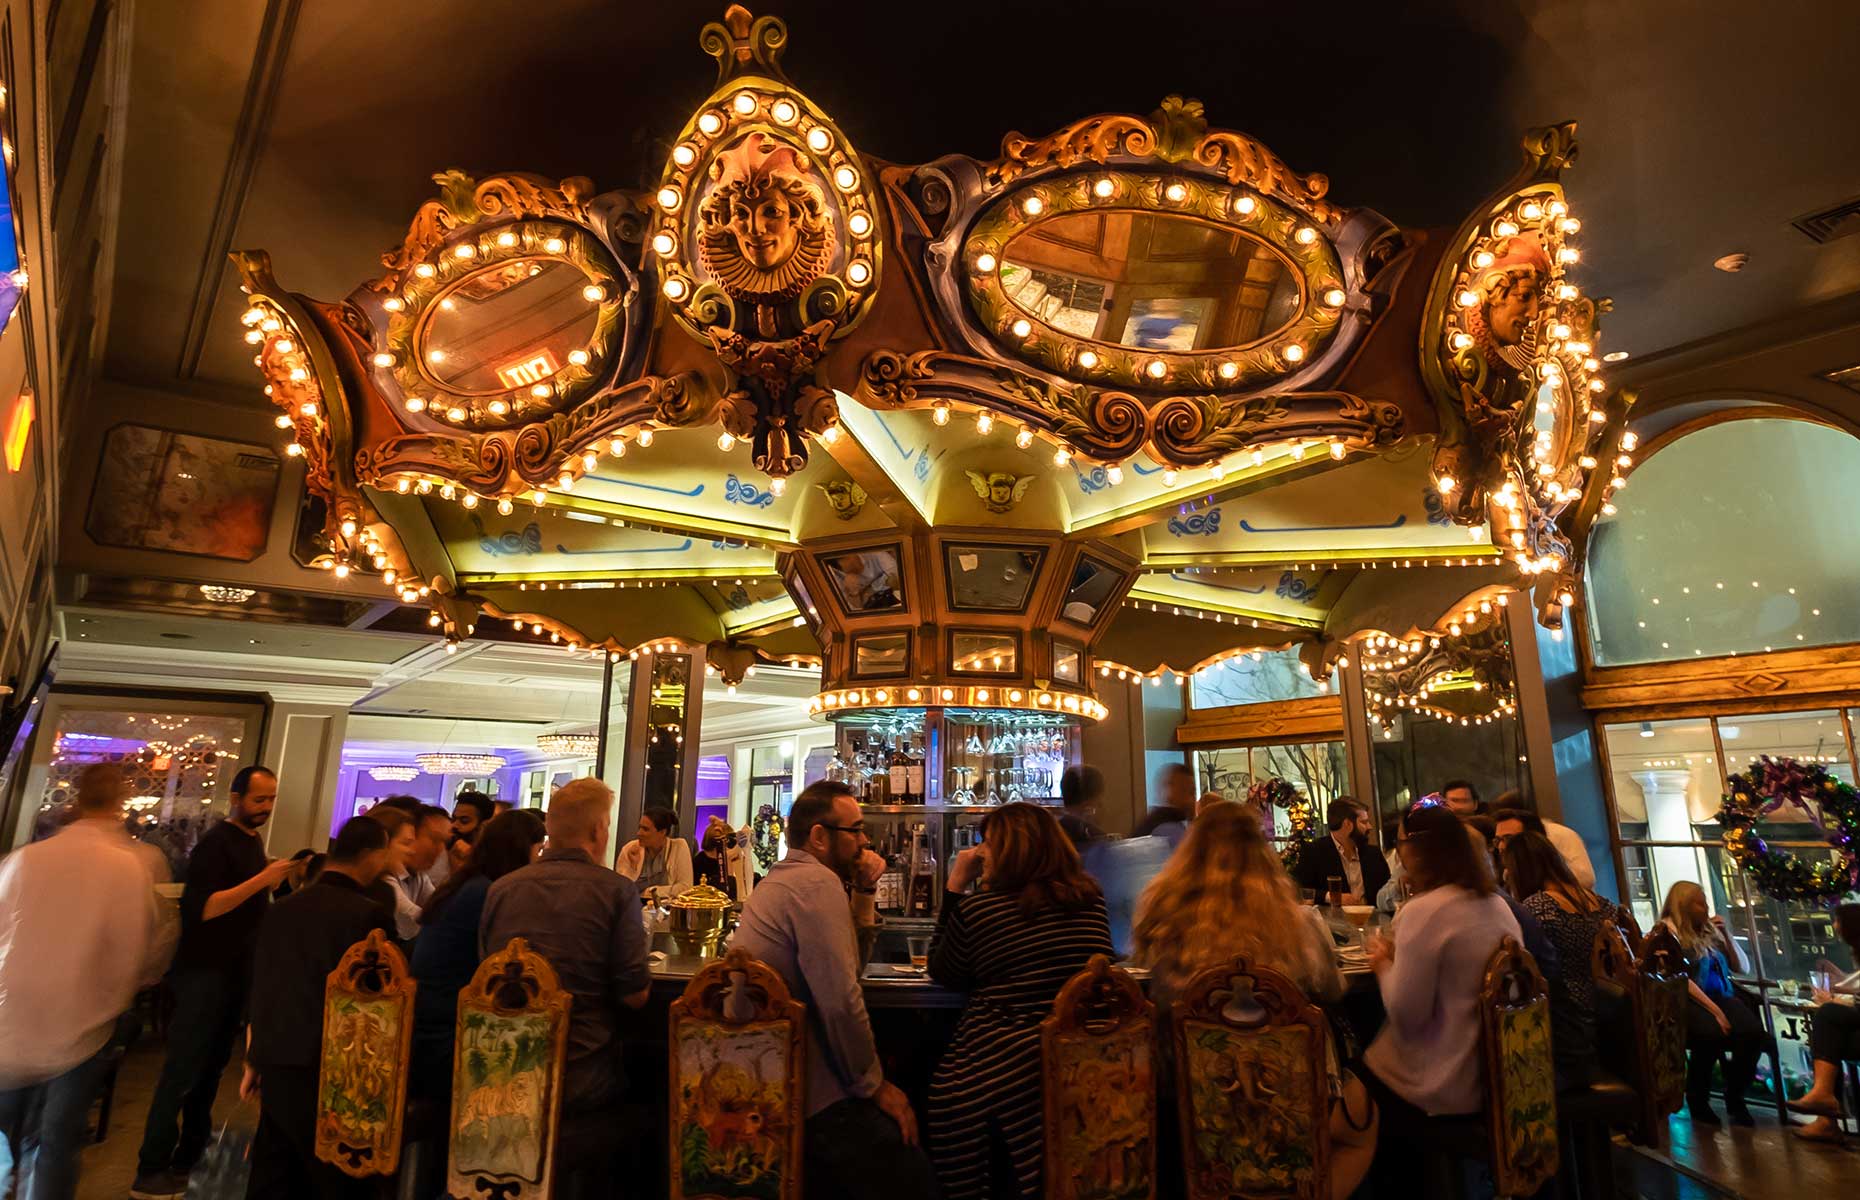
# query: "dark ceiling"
1705,126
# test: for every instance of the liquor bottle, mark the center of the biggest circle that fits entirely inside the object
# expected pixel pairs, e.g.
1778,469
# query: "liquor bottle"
923,875
896,765
914,774
890,898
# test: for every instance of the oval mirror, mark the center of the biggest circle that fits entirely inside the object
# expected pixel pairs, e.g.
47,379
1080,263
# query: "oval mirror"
510,326
1158,281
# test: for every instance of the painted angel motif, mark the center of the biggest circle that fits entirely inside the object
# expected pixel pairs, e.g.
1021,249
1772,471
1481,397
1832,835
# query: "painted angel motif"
999,491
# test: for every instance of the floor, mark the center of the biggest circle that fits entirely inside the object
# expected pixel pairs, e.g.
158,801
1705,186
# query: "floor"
110,1167
1765,1163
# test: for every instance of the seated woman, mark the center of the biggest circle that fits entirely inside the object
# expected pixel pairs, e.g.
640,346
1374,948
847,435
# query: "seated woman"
1225,894
1833,1037
445,955
1033,923
1570,917
657,859
1717,1019
1426,1060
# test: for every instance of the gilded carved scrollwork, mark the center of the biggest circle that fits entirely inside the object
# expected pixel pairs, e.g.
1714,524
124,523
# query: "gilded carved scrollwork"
1466,677
466,201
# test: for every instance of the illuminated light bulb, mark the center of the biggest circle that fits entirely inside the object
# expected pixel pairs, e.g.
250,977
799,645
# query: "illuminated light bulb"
1033,206
383,359
1597,386
348,528
1483,259
675,289
1114,473
539,497
469,500
709,123
1506,229
590,460
252,316
859,224
506,239
777,486
1168,478
1569,225
425,270
830,435
1175,193
669,197
1560,332
617,447
784,112
293,449
1293,353
1024,438
1335,297
505,507
1021,328
402,486
455,414
1591,364
939,412
644,436
663,244
1596,415
1103,188
846,179
744,104
435,356
1259,456
307,408
985,263
1088,359
984,422
282,421
342,570
1156,368
1228,370
271,325
499,407
1336,449
594,293
1531,210
859,272
1218,470
1568,254
464,250
1469,299
298,374
1305,235
566,481
818,140
1608,509
393,304
254,336
1061,457
726,442
1245,206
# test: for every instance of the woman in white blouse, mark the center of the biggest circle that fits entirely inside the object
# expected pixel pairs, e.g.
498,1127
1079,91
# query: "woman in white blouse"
1425,1061
657,859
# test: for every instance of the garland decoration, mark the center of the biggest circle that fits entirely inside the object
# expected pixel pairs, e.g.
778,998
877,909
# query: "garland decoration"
765,836
1269,794
1829,804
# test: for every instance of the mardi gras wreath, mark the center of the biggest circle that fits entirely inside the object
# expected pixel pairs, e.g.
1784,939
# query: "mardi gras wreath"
1834,807
765,836
1269,794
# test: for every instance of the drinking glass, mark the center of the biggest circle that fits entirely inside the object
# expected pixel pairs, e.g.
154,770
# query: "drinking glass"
1790,989
1333,888
919,946
1820,981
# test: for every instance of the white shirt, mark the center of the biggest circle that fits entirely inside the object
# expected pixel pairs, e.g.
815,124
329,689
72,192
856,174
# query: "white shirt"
1569,844
77,921
1428,1052
411,892
633,861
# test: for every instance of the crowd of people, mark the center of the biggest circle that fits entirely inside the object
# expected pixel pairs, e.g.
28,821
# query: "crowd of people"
1025,910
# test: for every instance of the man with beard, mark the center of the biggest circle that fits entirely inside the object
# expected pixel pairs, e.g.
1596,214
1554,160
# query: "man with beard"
1347,855
229,883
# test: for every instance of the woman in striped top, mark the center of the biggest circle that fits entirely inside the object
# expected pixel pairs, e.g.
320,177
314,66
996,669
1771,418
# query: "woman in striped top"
1035,921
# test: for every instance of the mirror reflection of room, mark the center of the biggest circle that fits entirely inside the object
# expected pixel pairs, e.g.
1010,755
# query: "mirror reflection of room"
1158,281
511,326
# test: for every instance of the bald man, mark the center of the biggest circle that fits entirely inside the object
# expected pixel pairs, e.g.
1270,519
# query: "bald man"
586,921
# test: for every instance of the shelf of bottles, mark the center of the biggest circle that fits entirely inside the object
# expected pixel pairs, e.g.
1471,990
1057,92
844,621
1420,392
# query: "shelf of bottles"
927,778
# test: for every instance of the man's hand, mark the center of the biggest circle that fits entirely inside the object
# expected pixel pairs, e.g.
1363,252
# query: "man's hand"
248,1083
870,866
275,871
898,1108
1821,996
1381,953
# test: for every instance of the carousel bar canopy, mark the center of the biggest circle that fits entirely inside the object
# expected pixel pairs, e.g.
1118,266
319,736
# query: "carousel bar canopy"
1135,396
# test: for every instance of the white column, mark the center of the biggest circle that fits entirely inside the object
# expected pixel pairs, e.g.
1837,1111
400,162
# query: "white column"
1668,820
303,746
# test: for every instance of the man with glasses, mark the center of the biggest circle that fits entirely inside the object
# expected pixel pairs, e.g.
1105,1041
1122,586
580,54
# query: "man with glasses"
861,1135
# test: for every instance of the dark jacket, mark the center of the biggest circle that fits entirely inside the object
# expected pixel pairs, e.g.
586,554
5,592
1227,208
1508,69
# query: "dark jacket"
302,939
1322,860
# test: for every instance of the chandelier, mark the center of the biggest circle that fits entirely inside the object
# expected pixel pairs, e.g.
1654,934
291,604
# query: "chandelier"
226,595
393,774
446,762
569,745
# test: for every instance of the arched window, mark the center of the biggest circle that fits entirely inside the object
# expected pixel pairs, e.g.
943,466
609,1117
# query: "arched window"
1739,538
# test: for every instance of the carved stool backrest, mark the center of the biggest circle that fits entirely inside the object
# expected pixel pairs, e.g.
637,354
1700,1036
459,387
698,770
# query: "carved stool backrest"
1097,1068
1611,959
361,1092
1659,996
1251,1086
738,1051
1520,1073
507,1067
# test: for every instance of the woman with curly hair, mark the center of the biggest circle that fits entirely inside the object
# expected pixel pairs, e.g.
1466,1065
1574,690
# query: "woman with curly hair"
1224,895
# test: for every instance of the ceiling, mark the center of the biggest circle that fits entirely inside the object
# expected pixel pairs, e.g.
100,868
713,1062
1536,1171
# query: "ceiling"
312,129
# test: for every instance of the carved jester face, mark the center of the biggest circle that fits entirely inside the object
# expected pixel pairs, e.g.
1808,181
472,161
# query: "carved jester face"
765,228
1510,290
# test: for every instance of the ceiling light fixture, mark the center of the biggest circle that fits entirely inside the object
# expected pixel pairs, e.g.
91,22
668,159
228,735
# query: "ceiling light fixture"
569,745
226,595
1615,356
393,774
450,763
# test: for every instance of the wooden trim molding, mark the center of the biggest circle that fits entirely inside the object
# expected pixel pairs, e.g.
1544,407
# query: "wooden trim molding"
1820,676
1316,718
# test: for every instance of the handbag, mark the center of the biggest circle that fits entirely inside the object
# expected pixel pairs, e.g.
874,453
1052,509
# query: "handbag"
225,1167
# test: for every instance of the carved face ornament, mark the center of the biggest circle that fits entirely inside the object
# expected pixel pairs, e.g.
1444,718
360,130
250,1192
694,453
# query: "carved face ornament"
999,491
765,228
1505,322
